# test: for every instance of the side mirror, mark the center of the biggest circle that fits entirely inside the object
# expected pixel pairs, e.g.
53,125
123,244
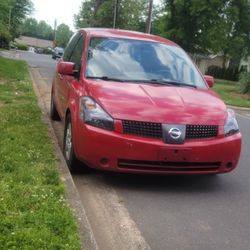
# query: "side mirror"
209,80
66,68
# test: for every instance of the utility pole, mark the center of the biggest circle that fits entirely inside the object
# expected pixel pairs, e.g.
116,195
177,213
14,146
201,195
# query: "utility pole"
115,13
55,28
148,24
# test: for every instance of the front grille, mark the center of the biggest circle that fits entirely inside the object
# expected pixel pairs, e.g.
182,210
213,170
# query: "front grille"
154,130
168,166
201,131
144,129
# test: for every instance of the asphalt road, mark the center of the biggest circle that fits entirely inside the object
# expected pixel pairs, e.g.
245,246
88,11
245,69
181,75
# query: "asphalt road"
173,212
45,64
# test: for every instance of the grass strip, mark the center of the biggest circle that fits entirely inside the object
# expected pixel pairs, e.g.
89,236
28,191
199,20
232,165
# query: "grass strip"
34,212
229,92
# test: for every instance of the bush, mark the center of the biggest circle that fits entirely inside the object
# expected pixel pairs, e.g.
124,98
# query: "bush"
21,46
245,83
231,73
5,37
47,51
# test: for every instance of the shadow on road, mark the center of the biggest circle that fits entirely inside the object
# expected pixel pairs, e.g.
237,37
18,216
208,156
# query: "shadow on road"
164,183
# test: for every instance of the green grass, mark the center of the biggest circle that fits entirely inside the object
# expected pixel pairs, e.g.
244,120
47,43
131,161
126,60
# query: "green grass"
230,93
33,210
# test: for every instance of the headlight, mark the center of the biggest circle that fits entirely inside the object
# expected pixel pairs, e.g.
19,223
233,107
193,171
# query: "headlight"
92,114
231,127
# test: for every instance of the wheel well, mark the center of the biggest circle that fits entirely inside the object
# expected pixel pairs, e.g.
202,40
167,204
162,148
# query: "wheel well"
67,113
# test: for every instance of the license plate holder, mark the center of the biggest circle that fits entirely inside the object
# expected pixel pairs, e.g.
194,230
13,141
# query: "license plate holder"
175,154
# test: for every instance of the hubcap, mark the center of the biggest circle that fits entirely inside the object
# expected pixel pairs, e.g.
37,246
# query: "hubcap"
68,142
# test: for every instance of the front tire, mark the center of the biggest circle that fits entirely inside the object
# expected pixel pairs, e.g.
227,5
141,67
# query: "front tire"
68,147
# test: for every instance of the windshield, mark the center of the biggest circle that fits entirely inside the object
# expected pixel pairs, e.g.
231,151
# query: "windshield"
142,61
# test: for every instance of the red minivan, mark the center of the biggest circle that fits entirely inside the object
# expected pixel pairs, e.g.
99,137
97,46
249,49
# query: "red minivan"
134,102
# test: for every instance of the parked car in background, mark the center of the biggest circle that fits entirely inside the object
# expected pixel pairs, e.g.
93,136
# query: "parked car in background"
57,52
134,102
39,50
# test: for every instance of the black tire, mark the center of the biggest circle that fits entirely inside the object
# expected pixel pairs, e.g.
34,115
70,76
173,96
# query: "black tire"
53,111
68,147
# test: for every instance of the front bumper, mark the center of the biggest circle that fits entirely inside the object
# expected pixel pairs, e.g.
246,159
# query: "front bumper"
124,153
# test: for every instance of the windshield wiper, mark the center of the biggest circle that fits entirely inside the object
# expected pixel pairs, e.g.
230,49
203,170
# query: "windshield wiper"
173,83
105,78
152,81
164,82
181,84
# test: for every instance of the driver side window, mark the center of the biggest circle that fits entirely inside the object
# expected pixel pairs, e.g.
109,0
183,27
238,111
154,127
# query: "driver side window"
70,46
76,56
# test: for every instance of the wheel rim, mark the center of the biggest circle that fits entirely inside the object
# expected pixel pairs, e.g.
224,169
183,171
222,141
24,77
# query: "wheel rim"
68,142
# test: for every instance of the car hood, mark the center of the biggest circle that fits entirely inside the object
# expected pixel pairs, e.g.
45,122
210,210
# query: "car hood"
157,103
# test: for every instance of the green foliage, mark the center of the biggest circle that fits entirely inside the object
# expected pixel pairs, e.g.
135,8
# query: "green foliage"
5,35
47,51
11,16
231,73
21,46
131,14
63,35
245,83
44,31
84,17
206,27
229,92
198,26
29,27
34,213
237,44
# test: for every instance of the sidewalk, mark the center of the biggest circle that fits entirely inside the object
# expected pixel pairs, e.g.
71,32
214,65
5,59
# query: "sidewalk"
11,54
241,111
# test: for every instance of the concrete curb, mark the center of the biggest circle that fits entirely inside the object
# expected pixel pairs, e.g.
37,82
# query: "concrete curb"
239,108
11,54
85,231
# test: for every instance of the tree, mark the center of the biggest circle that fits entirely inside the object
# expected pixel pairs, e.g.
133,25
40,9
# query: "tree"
63,34
237,43
84,18
19,9
131,14
205,27
11,16
5,35
44,31
195,25
29,27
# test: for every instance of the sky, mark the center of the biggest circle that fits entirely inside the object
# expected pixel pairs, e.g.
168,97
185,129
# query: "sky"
63,11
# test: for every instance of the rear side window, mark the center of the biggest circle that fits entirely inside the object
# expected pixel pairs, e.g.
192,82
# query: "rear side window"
76,56
70,46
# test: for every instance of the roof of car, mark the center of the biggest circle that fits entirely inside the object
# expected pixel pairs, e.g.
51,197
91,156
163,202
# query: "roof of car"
117,33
